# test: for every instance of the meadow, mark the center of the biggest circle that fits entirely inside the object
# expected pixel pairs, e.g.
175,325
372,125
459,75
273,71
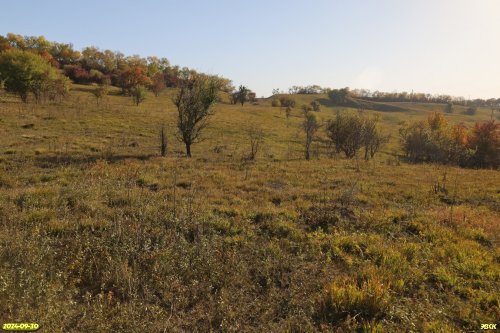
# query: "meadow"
99,233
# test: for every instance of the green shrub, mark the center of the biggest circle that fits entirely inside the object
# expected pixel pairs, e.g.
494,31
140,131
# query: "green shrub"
139,94
25,73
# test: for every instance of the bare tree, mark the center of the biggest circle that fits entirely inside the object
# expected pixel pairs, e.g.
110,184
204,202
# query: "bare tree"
100,92
310,126
255,135
194,104
372,138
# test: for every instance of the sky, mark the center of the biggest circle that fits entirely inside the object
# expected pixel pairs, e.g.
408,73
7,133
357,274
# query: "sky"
432,46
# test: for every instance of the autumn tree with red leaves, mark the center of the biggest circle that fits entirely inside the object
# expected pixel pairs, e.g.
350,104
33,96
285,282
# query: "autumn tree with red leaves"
484,140
132,78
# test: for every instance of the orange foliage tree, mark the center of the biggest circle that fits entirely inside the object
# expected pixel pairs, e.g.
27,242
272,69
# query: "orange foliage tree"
484,140
133,77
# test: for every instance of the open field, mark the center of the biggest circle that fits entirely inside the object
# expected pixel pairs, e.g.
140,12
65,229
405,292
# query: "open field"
99,233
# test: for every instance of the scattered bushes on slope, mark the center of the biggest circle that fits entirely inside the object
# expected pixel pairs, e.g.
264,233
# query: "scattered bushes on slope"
435,140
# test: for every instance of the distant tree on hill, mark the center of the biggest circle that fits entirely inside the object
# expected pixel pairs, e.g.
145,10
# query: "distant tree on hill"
339,96
287,101
25,72
133,77
158,84
64,54
314,89
100,91
252,97
156,66
194,102
138,94
4,44
233,97
484,140
310,126
316,106
241,95
225,85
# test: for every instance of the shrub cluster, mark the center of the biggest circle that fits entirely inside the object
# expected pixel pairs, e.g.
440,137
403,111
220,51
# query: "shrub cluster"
25,73
349,133
339,96
435,140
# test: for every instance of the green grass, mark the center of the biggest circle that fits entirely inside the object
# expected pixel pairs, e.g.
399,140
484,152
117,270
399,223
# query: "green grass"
99,233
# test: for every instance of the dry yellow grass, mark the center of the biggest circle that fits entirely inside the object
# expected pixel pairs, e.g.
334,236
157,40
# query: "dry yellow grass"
101,234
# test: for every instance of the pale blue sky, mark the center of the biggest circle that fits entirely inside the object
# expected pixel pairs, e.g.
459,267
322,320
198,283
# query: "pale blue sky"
439,46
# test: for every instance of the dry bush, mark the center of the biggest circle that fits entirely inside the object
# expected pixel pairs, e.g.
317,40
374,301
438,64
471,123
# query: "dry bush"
348,133
286,101
256,137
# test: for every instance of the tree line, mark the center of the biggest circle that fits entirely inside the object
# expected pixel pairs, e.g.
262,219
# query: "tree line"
133,74
404,96
33,65
340,95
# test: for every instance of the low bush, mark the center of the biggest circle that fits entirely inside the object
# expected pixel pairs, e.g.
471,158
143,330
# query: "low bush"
436,141
287,101
348,133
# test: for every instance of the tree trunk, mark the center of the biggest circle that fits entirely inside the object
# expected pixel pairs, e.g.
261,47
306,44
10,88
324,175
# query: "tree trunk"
188,149
163,142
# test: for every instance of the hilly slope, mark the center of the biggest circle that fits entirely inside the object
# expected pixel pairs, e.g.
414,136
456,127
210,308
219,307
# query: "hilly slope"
100,233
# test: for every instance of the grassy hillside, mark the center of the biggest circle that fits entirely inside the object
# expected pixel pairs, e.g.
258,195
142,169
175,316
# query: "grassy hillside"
101,234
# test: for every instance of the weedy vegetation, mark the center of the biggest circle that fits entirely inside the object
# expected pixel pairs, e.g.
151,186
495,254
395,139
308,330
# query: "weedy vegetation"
276,223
